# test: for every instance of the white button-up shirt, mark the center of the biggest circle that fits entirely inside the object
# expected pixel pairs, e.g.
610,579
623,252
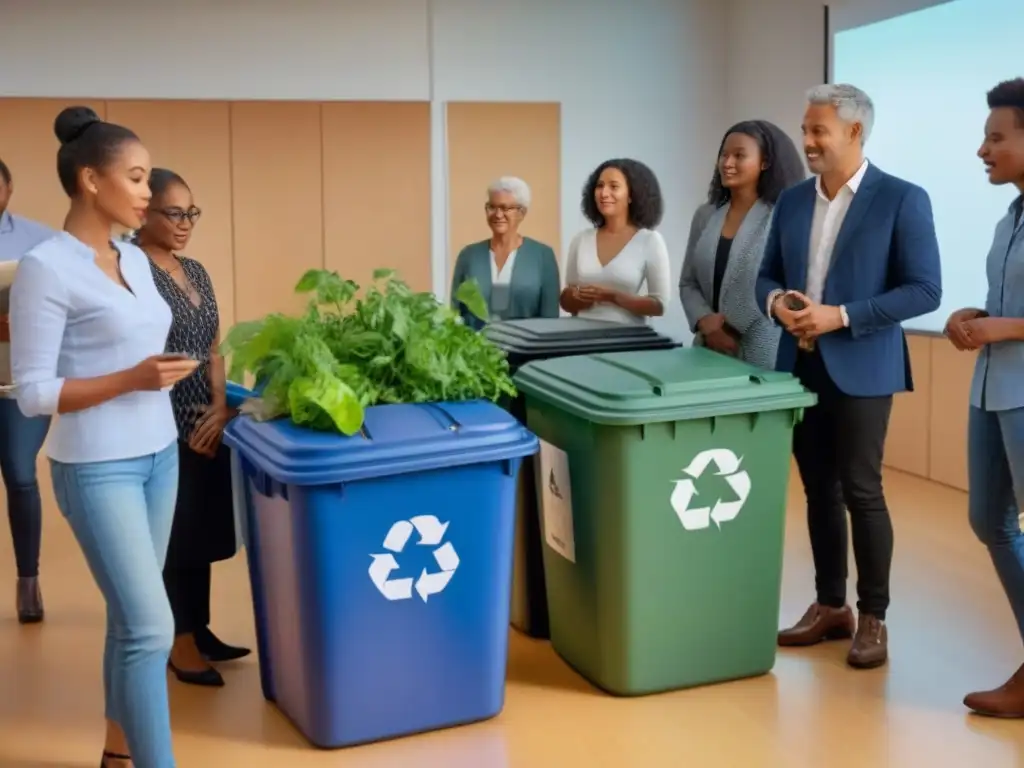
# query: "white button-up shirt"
825,226
70,321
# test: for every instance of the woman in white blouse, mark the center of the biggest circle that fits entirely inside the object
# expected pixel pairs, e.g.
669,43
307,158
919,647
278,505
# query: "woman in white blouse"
609,264
88,331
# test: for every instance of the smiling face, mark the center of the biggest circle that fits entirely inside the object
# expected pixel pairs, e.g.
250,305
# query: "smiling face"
830,143
504,214
612,194
120,189
740,162
1003,148
171,218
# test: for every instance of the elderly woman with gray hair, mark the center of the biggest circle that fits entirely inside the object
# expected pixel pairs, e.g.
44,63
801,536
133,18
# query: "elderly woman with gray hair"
517,275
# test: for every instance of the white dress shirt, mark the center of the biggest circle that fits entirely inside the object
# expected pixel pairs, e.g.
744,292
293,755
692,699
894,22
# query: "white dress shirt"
828,220
71,321
825,227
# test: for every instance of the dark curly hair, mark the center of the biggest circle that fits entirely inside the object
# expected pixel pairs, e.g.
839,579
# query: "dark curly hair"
646,206
1009,94
784,168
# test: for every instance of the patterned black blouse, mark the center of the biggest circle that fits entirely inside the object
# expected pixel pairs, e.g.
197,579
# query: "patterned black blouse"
193,331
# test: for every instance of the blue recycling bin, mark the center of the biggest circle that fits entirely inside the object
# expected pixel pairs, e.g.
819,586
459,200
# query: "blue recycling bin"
381,566
237,394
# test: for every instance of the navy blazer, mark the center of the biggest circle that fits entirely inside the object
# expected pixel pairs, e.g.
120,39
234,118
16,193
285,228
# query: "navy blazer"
885,269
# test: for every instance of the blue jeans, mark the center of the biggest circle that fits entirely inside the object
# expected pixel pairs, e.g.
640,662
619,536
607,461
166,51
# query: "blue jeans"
121,513
21,438
995,451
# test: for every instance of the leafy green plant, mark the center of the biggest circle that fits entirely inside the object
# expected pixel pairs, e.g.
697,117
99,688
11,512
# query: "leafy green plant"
348,352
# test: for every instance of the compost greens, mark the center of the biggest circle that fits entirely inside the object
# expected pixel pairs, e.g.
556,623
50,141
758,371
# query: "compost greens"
348,352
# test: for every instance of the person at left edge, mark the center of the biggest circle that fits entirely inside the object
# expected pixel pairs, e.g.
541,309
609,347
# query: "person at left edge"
21,437
518,276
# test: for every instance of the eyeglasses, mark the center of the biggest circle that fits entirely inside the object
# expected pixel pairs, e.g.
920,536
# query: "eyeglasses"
505,209
180,216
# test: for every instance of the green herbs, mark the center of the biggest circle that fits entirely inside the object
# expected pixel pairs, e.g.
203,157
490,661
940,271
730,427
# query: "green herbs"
391,345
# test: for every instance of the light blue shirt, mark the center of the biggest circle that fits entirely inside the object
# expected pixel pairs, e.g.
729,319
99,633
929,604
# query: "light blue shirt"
71,321
999,373
19,235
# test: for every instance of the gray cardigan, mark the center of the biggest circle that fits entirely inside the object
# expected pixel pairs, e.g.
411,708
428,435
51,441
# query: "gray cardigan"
759,338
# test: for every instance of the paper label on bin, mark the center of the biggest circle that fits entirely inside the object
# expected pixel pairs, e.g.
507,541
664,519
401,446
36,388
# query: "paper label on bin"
431,533
696,512
556,500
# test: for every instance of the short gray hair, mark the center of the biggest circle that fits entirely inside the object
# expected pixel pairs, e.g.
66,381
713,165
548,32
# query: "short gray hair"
515,186
851,104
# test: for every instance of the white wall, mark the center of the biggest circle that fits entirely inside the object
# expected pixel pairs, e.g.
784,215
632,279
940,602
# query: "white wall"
774,52
645,79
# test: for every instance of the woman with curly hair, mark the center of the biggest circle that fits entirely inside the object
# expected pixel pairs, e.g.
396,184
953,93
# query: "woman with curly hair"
756,161
608,264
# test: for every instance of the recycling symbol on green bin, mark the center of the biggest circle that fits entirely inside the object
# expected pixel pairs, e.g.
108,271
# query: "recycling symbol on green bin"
694,513
431,533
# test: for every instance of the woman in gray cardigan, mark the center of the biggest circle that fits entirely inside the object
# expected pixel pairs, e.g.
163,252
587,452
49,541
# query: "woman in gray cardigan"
756,161
518,276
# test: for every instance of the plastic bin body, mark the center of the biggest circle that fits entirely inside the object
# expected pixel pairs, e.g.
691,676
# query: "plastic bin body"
525,341
344,662
645,594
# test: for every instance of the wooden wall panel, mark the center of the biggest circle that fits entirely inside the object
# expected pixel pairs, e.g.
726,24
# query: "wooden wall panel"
29,148
907,446
488,140
276,172
376,189
193,139
951,387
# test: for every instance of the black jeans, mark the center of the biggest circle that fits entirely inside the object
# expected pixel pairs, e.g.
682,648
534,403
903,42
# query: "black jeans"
838,448
188,589
20,440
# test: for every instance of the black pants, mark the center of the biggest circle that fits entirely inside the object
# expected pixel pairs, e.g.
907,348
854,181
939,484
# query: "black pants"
188,589
838,447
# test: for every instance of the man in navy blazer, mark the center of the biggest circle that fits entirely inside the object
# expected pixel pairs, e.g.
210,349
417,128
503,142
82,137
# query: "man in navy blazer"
851,254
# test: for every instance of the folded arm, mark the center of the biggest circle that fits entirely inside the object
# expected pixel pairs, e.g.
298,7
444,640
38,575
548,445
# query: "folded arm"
917,271
656,275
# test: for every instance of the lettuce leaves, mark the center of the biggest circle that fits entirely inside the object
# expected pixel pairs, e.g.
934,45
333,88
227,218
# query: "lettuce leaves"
350,351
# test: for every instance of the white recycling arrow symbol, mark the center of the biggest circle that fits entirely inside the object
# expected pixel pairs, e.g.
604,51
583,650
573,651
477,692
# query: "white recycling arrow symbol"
727,465
431,532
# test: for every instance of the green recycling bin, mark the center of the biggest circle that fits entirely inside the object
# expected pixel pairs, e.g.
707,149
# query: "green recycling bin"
662,482
543,338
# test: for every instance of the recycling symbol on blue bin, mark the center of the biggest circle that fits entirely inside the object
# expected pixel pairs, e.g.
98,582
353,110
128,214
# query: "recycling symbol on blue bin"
431,533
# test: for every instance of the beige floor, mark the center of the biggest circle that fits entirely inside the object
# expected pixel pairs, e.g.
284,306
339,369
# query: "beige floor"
950,632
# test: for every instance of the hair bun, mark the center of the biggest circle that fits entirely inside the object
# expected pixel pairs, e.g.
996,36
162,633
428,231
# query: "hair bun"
72,122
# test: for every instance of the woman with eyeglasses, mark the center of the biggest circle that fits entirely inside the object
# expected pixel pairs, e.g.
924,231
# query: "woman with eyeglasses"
203,532
518,276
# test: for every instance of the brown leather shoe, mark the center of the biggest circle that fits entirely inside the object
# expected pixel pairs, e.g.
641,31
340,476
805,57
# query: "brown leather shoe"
819,623
870,647
30,601
1005,701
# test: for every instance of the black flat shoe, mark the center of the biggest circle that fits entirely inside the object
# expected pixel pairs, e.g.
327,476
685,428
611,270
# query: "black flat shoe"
29,601
208,677
112,756
215,649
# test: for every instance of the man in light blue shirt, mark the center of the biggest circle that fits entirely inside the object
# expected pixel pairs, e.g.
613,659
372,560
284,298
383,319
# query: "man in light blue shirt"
21,437
995,434
18,235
